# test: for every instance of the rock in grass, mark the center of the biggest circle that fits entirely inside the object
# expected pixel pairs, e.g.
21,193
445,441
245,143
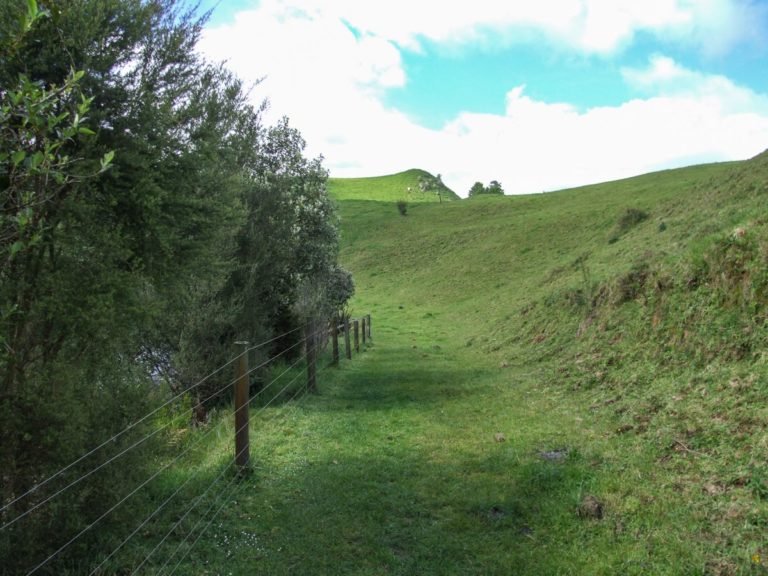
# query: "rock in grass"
554,455
499,437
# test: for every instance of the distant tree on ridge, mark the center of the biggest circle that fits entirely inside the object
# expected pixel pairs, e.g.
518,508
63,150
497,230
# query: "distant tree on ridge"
493,188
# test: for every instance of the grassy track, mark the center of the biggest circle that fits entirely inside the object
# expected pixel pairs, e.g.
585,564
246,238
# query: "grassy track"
396,469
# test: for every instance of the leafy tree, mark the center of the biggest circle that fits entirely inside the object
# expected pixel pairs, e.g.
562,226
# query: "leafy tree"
340,288
147,220
493,188
477,188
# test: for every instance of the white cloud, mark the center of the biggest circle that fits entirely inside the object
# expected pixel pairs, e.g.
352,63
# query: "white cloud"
592,26
329,79
666,77
538,146
716,26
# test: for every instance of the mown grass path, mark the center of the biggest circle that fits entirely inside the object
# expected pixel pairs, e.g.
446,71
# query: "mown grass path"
417,458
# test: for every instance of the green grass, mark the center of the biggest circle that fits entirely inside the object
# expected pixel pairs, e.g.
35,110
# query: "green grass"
634,350
401,186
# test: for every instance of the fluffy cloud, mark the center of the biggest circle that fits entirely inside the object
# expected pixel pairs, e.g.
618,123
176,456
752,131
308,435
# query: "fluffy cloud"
593,26
537,146
328,74
665,77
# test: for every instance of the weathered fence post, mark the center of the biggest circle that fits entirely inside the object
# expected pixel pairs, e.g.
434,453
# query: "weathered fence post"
335,340
242,448
364,329
357,336
347,345
311,354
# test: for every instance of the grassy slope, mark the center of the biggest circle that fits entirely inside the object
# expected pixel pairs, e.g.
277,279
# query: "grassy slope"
645,365
388,188
665,384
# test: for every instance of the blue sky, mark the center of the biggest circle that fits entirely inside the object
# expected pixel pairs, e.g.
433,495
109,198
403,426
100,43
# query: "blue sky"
539,95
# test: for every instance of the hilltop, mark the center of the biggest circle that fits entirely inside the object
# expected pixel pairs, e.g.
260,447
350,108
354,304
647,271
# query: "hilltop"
394,187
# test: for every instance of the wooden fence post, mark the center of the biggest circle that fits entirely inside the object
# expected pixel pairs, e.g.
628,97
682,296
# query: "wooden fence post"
311,352
242,447
357,335
335,340
364,330
347,345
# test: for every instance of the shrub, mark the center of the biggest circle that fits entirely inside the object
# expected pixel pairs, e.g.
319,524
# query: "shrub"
630,285
631,217
402,207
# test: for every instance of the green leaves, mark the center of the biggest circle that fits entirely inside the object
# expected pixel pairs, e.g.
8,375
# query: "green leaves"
27,21
15,248
36,160
106,160
202,229
18,157
494,188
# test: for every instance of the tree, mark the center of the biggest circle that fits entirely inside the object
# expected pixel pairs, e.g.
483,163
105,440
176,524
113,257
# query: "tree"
493,188
477,188
148,219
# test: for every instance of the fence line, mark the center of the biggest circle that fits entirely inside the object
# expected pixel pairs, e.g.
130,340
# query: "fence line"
191,546
310,358
213,517
261,409
131,426
154,513
142,485
207,525
141,440
218,478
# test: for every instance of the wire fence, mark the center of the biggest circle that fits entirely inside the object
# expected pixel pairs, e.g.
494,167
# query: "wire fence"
184,507
135,423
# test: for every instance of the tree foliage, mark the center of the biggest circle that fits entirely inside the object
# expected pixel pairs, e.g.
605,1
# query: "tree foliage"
493,188
477,188
148,219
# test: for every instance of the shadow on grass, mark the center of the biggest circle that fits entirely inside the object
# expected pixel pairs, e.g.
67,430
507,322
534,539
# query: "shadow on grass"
374,478
407,377
404,514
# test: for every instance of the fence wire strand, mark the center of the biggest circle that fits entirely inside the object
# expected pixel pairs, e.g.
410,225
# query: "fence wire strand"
247,424
195,444
134,424
192,531
165,467
138,442
210,521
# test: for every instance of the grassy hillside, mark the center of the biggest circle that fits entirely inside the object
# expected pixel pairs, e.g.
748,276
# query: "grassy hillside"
640,306
401,186
568,383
